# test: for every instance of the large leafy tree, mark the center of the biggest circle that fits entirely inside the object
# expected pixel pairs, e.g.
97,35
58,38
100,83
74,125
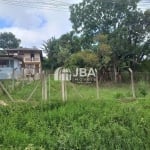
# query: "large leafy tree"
127,28
130,41
8,40
92,17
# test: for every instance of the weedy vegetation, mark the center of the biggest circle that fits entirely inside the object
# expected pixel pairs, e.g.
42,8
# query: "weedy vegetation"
82,122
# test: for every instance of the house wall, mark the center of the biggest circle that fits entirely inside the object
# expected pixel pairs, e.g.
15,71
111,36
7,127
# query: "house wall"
17,69
7,72
32,66
28,55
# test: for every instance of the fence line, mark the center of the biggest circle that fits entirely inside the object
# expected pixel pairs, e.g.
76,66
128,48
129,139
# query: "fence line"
48,89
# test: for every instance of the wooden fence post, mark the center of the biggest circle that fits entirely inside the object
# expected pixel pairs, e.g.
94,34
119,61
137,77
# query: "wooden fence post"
42,83
49,86
97,86
63,85
13,79
45,86
132,82
63,89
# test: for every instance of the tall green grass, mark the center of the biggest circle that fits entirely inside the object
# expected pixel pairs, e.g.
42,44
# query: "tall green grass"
83,122
76,91
77,124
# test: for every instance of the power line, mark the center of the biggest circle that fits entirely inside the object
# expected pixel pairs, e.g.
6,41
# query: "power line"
57,4
36,3
49,5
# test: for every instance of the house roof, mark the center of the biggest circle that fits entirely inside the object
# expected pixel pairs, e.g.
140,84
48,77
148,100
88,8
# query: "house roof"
3,57
25,50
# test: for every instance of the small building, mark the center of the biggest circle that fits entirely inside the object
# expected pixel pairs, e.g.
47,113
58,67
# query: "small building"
10,67
31,58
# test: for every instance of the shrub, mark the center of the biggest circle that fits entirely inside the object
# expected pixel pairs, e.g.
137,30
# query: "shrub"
142,88
118,95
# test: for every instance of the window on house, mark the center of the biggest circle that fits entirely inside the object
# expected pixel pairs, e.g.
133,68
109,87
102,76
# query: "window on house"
6,63
21,53
11,63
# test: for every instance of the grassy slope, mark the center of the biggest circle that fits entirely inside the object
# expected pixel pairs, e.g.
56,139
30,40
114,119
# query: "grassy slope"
80,123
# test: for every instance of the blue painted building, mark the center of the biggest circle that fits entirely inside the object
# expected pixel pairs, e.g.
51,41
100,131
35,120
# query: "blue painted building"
10,67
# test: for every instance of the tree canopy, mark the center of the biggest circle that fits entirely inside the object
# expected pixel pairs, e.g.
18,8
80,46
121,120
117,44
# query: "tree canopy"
127,28
116,31
59,50
8,40
83,59
92,17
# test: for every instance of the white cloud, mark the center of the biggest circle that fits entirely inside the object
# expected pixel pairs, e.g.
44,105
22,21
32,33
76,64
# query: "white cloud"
144,4
33,26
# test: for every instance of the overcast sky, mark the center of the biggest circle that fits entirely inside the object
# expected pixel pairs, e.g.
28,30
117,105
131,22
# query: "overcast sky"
34,24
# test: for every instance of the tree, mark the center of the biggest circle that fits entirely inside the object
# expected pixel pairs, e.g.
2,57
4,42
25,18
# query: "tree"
103,51
51,48
92,17
71,42
127,29
8,40
130,41
83,59
59,50
147,19
63,56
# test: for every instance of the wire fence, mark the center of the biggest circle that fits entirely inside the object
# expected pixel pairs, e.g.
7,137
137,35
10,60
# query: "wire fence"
49,89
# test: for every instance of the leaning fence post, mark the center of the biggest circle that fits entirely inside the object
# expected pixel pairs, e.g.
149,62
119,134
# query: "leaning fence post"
5,90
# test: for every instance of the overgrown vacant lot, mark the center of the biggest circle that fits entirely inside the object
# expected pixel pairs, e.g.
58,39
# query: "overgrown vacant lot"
83,122
79,124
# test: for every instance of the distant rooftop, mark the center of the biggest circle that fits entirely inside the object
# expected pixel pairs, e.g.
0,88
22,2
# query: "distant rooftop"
25,50
9,57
